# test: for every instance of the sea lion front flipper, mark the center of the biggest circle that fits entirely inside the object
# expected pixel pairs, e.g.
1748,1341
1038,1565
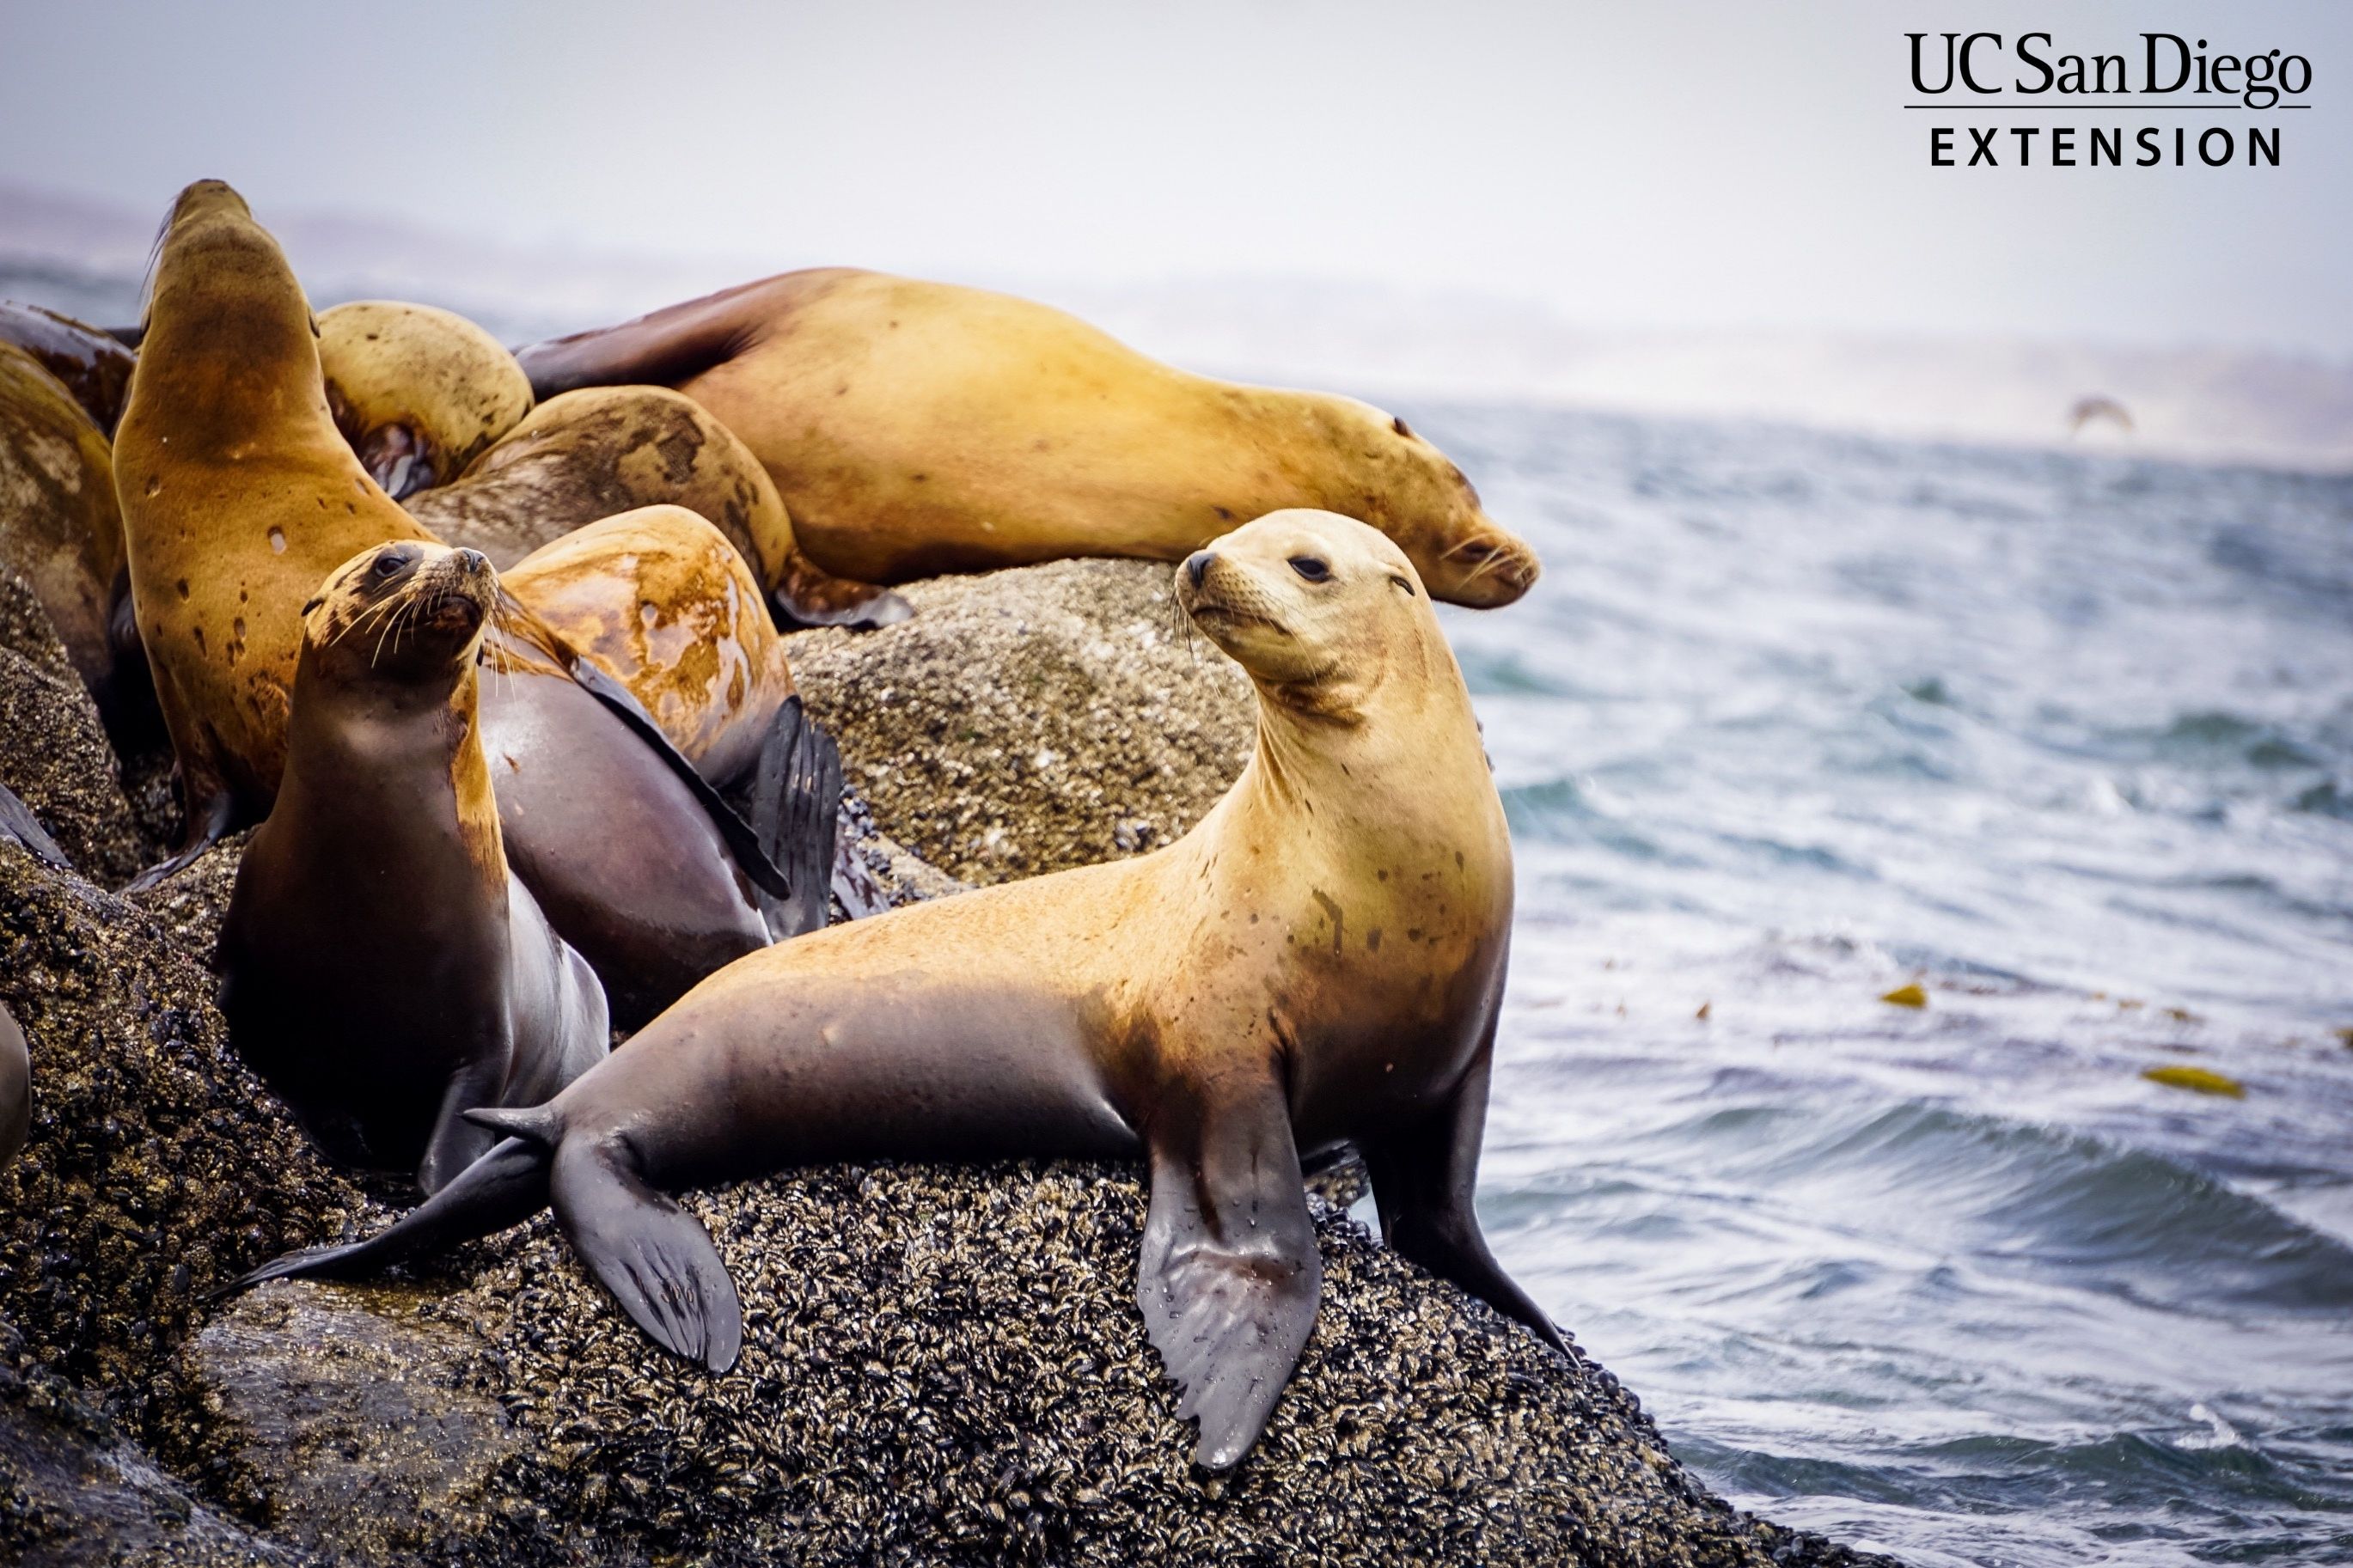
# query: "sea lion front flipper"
1230,1275
663,349
19,825
456,1143
1422,1178
209,812
796,812
653,1255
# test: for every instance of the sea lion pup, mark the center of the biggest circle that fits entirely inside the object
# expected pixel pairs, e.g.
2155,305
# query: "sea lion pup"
60,529
603,450
15,1088
419,393
240,497
94,365
383,857
1321,958
916,428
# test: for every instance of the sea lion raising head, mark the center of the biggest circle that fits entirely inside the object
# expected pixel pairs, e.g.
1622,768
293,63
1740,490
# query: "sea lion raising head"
384,856
1319,960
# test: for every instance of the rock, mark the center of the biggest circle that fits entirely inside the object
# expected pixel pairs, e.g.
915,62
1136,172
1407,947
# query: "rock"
57,758
157,1166
940,1364
75,1492
1033,719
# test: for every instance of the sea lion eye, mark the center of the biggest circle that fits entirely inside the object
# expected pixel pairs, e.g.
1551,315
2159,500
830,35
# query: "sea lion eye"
385,565
1311,568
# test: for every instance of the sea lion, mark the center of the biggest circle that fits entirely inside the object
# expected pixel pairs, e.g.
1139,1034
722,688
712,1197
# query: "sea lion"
240,497
15,1088
916,428
93,365
590,454
383,857
662,600
1321,958
419,393
60,529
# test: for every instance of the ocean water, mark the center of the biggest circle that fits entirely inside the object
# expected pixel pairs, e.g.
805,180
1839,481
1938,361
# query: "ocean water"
1794,719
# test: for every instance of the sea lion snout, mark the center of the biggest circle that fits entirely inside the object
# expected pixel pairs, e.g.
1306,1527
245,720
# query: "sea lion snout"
1197,565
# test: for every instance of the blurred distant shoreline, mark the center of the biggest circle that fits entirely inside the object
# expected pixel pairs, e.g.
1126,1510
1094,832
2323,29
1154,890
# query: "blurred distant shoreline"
2213,404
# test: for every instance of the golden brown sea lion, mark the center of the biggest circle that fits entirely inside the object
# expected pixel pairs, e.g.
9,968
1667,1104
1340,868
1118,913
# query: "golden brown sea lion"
93,365
591,453
240,497
1321,958
60,529
419,393
666,606
916,428
383,858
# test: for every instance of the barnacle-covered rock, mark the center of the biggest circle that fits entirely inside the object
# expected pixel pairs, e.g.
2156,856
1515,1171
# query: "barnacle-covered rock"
1033,719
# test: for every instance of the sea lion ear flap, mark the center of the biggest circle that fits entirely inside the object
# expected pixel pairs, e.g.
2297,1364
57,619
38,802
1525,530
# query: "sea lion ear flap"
311,604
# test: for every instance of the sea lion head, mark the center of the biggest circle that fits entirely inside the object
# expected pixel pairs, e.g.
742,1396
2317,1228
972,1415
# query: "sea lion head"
419,393
1411,491
1324,613
220,278
406,612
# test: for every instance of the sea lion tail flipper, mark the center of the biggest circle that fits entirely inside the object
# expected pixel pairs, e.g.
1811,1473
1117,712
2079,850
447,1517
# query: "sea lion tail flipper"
1422,1178
456,1142
1230,1275
796,812
504,1187
653,1255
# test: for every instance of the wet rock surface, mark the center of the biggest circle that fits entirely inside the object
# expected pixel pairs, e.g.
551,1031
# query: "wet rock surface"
942,1364
1033,719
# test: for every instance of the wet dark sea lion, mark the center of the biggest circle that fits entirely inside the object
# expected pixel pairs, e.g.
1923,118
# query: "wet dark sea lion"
15,1088
93,365
916,428
385,971
60,529
1320,960
418,392
239,497
595,453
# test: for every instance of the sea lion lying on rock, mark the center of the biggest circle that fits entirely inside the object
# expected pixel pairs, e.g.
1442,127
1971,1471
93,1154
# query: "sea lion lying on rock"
916,428
419,393
1320,960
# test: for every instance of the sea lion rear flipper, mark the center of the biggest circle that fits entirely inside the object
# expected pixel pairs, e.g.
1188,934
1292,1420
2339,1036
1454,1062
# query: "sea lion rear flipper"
1231,1276
796,812
806,597
1422,1179
504,1187
19,825
655,1258
663,349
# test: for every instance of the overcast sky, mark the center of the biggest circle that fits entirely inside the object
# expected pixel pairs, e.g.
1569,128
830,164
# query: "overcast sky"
1662,164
